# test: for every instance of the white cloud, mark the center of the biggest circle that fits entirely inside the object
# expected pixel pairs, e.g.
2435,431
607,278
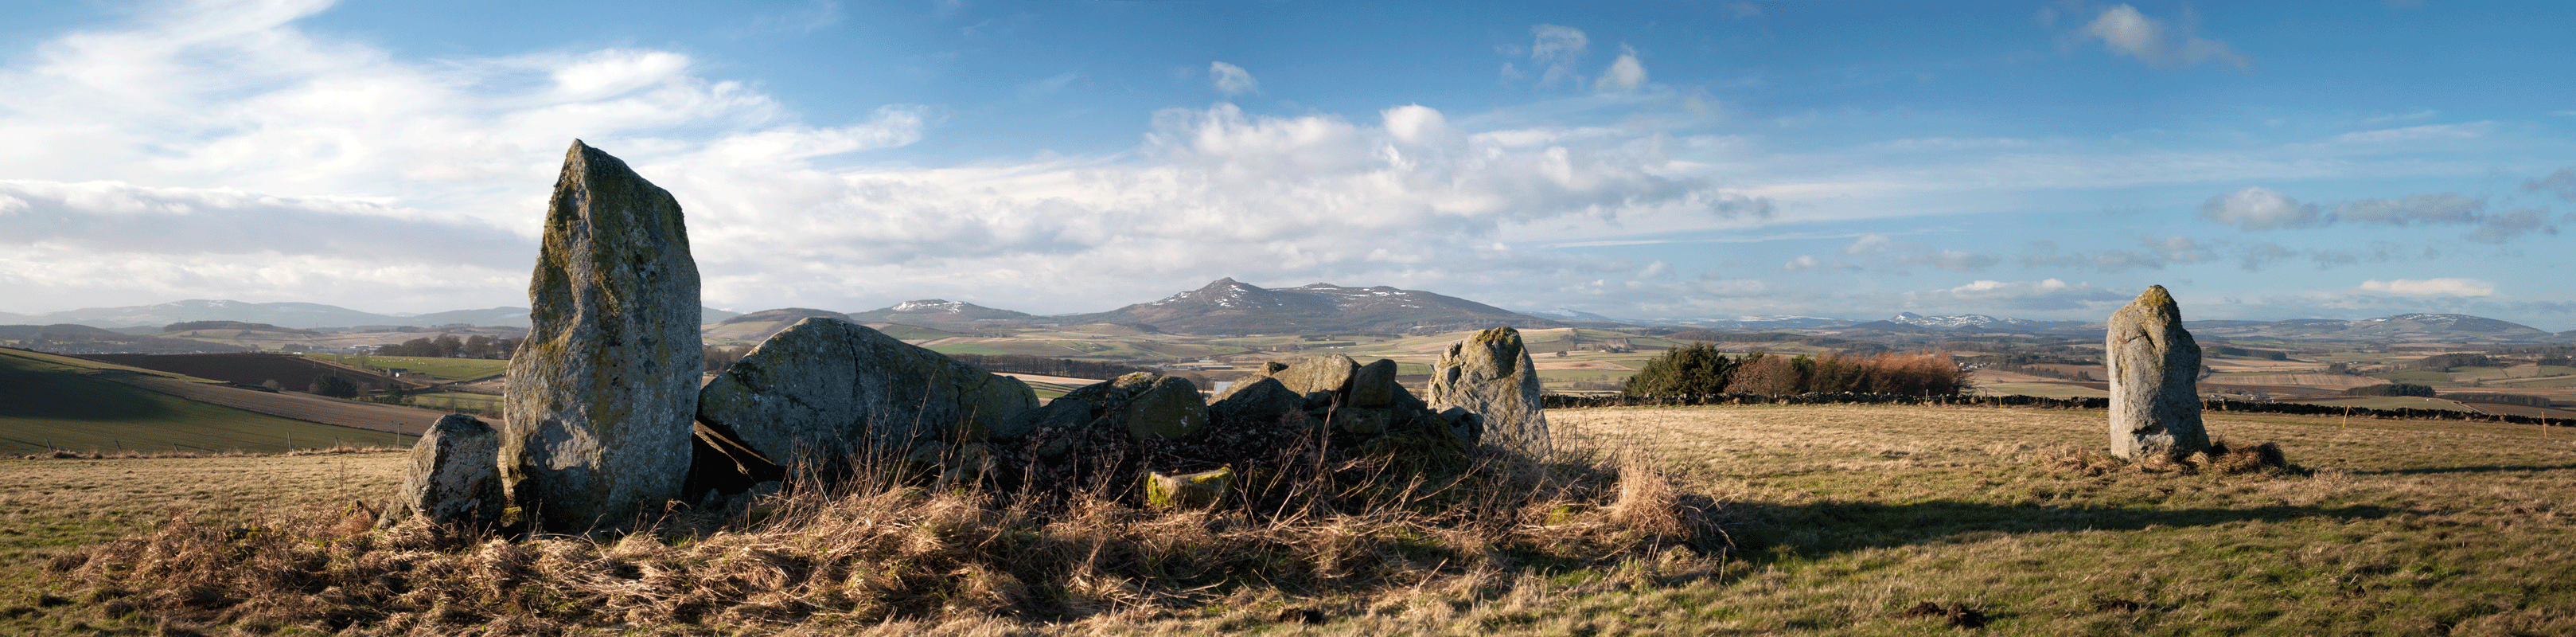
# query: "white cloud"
1554,50
2561,183
2259,208
1624,74
2469,130
1232,80
1049,86
2046,294
2125,31
2430,287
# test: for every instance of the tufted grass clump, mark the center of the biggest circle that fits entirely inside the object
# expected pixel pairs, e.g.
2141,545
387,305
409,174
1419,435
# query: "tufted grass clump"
2222,458
889,546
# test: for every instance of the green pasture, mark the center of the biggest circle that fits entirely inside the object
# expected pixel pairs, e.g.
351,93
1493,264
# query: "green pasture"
52,403
450,369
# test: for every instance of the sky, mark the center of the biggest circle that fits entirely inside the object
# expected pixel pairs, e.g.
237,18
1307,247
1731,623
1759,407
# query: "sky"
2041,160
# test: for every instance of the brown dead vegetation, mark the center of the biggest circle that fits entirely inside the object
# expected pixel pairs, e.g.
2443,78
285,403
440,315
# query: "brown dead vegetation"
887,549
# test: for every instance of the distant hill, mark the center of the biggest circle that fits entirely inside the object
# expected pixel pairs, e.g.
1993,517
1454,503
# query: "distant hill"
940,313
295,315
2399,328
758,326
1226,306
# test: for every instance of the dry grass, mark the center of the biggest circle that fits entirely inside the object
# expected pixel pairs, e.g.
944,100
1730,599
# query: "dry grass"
886,551
1845,518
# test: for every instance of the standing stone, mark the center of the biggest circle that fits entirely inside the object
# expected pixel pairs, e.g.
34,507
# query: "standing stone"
602,392
453,477
1490,375
2155,379
823,391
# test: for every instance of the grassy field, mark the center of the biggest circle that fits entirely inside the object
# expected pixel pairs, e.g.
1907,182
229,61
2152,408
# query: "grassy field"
486,403
440,368
1843,517
50,404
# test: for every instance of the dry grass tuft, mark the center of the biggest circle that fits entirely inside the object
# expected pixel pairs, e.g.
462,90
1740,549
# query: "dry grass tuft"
887,550
2222,458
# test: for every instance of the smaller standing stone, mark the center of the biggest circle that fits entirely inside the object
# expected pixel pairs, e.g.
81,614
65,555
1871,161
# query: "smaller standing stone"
1490,375
2155,379
454,476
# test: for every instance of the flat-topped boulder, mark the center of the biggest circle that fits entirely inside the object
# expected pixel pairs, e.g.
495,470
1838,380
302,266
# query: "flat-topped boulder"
825,390
1490,375
2155,379
601,393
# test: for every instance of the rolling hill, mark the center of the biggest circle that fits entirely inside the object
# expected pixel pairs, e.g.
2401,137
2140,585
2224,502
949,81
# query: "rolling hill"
60,402
940,313
1227,306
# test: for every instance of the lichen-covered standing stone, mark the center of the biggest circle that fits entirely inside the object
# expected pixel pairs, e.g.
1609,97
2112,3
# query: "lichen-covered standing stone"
1490,375
452,477
2155,379
602,392
822,391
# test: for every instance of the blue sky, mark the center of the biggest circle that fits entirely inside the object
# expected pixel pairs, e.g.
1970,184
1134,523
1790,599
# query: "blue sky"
1649,160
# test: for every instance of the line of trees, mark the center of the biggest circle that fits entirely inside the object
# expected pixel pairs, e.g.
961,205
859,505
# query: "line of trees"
449,346
1043,366
2391,389
1698,369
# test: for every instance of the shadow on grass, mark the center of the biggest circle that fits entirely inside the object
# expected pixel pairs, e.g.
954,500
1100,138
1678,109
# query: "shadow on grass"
2493,468
1769,531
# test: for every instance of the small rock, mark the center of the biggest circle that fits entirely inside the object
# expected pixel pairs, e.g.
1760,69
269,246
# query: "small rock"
453,477
1189,491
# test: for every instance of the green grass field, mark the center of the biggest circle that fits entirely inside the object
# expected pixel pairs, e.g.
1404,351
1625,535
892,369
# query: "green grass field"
970,348
51,405
451,369
483,403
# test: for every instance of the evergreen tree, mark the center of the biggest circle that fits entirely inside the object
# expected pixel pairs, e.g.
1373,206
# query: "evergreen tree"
1690,370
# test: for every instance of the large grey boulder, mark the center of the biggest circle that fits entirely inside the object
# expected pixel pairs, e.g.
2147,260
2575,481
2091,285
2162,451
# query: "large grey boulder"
1256,402
1490,375
2155,379
453,476
601,393
1317,373
1146,405
823,391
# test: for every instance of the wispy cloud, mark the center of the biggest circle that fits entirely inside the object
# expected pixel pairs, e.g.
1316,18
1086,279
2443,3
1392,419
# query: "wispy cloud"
2430,287
2123,30
1232,80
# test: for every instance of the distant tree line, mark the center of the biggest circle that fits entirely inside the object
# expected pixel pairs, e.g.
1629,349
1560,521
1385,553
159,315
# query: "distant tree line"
2525,400
2391,389
2050,372
1043,366
229,325
1699,369
720,357
2266,354
449,346
2444,362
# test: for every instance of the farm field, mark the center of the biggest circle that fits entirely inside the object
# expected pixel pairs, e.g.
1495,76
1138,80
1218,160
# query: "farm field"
51,401
1842,517
446,369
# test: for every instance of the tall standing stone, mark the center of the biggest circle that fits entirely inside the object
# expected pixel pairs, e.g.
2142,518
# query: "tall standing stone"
602,392
1490,375
2155,379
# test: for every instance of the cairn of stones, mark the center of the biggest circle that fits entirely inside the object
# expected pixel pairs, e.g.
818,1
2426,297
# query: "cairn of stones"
2155,379
606,420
